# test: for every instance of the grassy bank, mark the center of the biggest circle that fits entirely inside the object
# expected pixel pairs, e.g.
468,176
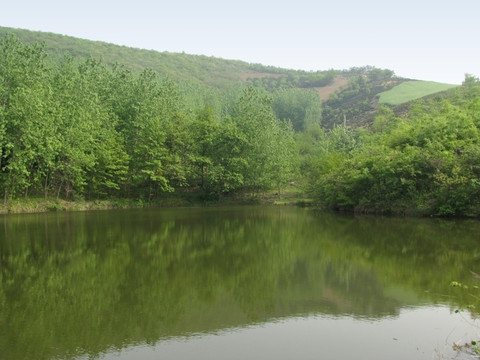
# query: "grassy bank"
42,205
35,205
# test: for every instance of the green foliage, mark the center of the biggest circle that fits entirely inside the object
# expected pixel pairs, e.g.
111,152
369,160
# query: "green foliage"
301,108
76,128
25,100
426,163
269,149
373,73
195,69
470,296
216,159
293,79
411,90
83,128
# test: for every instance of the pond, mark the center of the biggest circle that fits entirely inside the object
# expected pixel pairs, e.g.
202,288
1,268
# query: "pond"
234,283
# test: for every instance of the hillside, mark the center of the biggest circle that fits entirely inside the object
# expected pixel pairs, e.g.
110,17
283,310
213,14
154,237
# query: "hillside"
357,102
178,66
411,90
351,96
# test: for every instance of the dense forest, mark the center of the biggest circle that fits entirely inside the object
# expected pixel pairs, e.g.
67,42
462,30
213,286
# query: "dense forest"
81,128
93,130
423,160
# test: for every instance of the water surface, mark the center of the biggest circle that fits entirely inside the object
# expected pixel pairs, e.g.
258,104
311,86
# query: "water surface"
233,283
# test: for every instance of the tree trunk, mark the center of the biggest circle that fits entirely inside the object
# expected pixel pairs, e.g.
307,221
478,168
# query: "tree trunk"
59,188
45,187
67,190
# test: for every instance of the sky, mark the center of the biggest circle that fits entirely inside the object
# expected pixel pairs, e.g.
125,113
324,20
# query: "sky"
418,39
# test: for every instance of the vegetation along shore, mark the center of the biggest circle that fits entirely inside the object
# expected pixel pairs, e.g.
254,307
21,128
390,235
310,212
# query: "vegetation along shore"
83,132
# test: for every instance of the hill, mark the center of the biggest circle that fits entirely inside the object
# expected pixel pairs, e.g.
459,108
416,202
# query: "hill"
178,66
344,96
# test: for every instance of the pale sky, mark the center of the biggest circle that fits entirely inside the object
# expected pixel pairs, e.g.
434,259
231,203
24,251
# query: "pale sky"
427,40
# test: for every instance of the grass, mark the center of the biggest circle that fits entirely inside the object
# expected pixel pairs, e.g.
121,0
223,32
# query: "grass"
36,205
289,196
411,90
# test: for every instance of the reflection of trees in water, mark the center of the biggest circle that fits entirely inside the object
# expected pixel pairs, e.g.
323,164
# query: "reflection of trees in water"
84,282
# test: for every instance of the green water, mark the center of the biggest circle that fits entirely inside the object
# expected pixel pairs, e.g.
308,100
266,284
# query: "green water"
233,283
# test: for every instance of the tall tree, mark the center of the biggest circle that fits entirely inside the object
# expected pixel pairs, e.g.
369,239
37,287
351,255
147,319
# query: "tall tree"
265,135
25,114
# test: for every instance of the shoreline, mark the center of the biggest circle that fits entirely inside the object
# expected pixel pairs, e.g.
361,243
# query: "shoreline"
39,205
42,206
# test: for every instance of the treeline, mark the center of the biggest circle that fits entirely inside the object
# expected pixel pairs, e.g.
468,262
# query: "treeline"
373,73
293,79
74,128
425,162
86,129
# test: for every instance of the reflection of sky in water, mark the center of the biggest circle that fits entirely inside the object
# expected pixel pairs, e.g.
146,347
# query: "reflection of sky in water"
417,333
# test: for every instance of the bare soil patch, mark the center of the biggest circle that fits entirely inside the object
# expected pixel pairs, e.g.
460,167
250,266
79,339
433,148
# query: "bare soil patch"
338,83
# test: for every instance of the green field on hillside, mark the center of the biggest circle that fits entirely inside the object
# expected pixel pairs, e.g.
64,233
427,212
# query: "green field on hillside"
411,90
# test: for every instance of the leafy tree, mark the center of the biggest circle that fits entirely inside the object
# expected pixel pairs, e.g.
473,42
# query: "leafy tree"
266,140
284,158
154,108
301,107
204,130
25,115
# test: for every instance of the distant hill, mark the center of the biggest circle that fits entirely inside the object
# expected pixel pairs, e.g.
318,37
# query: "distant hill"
349,96
178,66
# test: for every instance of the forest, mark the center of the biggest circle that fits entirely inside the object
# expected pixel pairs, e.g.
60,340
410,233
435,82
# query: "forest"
92,130
80,128
422,160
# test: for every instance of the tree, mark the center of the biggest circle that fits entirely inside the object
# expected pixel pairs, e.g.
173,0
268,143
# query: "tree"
204,129
254,117
25,116
301,107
